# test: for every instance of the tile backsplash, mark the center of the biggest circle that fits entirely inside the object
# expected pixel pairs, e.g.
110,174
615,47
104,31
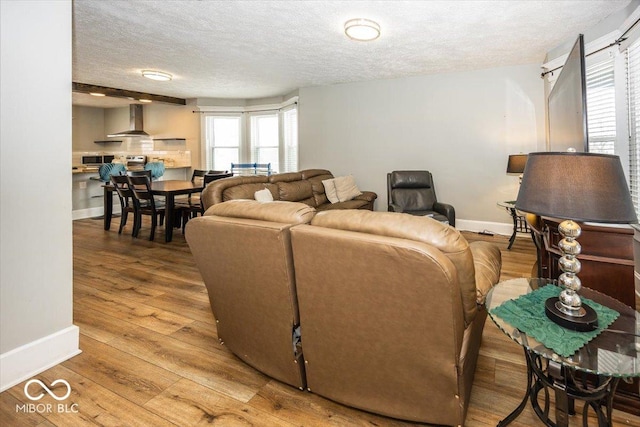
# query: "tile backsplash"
171,159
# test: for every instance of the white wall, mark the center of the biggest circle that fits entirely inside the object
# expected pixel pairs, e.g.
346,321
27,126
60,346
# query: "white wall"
459,126
174,121
88,126
36,271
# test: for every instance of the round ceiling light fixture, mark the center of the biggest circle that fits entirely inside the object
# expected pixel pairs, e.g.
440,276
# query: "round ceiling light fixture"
96,94
362,29
157,75
144,100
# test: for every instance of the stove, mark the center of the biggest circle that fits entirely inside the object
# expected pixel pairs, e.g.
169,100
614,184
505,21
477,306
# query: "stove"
135,162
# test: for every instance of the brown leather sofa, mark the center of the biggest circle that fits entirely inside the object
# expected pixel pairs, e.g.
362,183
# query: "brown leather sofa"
390,305
243,251
304,186
391,309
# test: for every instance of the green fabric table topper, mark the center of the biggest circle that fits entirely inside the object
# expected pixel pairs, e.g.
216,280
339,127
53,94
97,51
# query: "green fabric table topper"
527,314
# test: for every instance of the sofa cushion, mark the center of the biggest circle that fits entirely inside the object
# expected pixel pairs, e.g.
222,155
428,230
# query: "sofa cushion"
349,204
247,191
296,191
330,190
277,211
488,261
263,196
410,179
285,177
315,177
422,229
346,188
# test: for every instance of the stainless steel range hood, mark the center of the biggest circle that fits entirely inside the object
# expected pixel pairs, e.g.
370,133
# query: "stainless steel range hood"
135,116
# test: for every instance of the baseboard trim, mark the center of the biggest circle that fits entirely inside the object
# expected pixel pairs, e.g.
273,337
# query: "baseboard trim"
478,226
92,212
24,362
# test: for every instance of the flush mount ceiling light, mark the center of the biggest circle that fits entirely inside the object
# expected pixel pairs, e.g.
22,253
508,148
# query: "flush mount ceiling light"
157,75
362,29
96,94
144,100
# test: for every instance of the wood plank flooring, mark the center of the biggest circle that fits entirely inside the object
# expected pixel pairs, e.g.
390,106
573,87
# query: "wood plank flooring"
151,356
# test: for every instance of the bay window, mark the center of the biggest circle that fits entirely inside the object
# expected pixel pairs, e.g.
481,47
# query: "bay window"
252,136
222,141
265,139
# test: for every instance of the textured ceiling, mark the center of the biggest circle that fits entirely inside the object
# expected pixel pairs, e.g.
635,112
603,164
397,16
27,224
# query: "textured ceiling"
255,49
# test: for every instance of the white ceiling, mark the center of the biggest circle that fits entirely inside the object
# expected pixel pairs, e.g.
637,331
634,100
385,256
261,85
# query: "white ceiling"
256,49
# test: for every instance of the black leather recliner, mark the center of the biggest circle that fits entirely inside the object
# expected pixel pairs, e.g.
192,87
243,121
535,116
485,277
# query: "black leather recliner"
413,192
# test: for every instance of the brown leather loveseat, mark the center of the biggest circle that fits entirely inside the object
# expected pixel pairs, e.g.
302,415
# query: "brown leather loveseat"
385,309
305,186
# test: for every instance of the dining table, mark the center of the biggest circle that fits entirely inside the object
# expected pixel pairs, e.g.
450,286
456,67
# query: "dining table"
169,189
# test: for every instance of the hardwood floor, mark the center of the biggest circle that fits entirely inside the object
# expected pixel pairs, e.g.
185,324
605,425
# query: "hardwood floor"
151,356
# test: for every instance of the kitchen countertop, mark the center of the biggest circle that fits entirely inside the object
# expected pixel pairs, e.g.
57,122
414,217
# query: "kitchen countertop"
94,170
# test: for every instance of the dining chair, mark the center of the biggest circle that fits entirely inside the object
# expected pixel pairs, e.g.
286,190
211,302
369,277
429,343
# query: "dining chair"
190,200
215,175
145,172
121,184
145,204
194,205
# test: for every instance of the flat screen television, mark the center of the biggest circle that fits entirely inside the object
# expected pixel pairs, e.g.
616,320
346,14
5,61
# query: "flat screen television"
567,104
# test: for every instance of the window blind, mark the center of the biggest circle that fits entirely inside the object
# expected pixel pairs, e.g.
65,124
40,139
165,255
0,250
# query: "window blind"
264,140
290,128
633,95
601,107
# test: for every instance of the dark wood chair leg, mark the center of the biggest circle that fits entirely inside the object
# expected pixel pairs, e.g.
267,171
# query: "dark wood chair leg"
136,224
123,220
154,223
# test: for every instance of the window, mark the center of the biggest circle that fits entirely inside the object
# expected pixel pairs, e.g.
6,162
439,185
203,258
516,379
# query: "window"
222,141
601,107
290,130
252,137
265,140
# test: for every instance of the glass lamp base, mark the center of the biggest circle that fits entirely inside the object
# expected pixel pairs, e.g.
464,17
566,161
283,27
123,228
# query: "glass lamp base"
585,323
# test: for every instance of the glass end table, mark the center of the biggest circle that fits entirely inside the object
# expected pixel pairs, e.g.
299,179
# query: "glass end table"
591,374
519,221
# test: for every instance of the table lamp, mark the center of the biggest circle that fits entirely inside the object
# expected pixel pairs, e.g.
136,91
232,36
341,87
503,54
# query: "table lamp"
516,163
583,187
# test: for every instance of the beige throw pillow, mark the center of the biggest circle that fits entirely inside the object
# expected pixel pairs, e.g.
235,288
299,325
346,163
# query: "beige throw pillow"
346,188
263,195
330,190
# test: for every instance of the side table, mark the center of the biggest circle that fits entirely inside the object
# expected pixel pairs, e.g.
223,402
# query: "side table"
519,221
591,374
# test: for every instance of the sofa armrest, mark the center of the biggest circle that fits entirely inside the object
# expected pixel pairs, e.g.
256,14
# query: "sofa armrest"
446,210
395,208
487,261
369,196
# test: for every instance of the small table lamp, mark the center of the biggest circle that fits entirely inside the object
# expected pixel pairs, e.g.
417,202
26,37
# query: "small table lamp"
576,187
516,163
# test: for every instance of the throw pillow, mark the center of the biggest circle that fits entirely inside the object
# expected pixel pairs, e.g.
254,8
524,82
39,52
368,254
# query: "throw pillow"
346,188
330,190
263,195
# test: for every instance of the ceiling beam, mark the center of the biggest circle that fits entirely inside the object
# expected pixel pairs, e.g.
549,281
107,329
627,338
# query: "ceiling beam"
123,93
